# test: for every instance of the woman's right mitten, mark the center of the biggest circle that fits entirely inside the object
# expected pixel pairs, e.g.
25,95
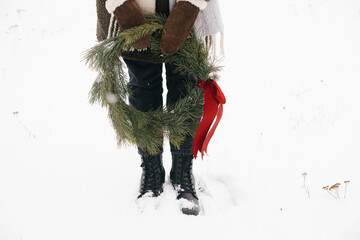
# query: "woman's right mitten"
129,15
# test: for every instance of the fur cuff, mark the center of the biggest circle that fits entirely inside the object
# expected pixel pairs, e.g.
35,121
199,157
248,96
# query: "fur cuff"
111,5
147,6
201,4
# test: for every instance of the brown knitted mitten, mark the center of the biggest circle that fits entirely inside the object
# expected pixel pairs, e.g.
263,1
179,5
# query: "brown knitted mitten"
129,15
178,26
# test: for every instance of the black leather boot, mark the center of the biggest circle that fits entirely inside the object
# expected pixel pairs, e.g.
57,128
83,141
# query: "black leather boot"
182,178
153,175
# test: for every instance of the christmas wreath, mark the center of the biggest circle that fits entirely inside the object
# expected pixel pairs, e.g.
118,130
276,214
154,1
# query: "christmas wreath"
146,129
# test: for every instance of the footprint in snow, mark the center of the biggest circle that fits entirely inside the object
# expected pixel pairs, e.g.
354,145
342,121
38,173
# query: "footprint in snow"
216,192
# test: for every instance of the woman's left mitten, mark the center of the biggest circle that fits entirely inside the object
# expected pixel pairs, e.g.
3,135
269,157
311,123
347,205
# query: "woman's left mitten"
178,26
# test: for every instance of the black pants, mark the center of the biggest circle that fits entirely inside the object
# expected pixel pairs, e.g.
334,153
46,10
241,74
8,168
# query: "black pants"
146,85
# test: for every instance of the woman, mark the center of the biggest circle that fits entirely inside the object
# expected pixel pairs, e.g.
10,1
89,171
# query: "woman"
146,78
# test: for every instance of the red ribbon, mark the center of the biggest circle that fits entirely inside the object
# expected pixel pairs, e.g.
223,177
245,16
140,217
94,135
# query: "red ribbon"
213,107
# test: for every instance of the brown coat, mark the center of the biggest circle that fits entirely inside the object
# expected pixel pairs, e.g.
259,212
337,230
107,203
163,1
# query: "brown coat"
103,20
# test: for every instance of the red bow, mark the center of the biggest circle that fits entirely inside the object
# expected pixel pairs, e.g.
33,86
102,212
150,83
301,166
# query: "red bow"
213,107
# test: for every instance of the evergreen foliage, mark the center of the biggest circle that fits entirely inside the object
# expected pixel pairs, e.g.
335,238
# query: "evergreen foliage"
110,89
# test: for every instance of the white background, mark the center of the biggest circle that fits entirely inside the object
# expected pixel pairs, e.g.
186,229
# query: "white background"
291,79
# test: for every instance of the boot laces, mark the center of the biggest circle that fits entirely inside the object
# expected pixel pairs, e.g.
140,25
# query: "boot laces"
186,182
152,176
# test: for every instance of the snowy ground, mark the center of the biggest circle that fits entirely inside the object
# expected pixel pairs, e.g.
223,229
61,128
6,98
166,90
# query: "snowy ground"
291,80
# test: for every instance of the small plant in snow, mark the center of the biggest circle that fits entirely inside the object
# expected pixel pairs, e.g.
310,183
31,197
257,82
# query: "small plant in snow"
30,133
346,183
334,189
306,188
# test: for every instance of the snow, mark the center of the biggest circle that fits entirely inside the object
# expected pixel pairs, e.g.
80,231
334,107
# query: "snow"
111,5
148,203
184,203
112,98
291,79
